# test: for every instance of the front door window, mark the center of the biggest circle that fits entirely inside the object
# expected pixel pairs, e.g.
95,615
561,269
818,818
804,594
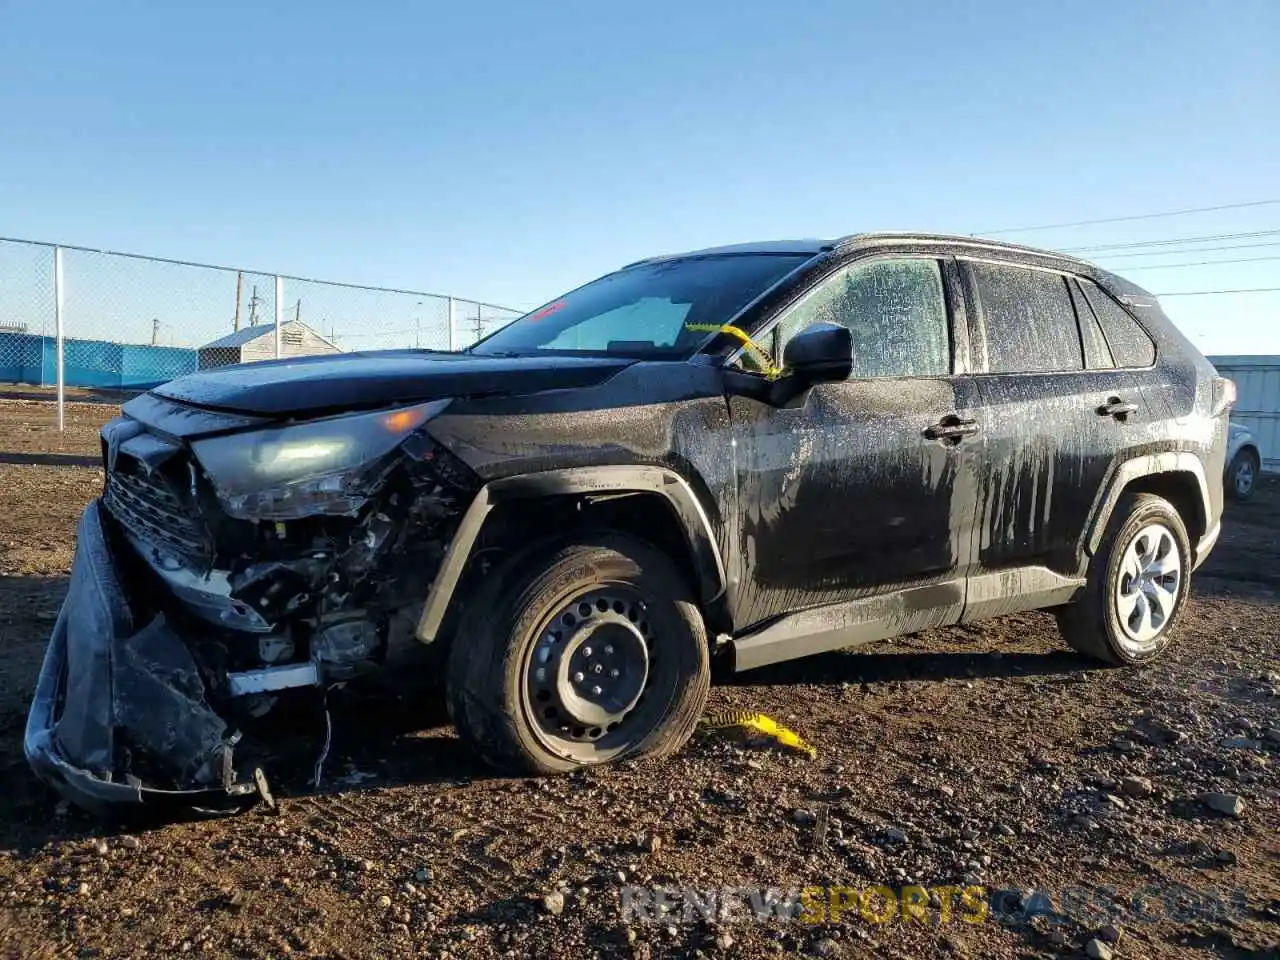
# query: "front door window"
894,307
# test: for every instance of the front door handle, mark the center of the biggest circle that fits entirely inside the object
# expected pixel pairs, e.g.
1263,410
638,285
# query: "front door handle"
951,429
1115,407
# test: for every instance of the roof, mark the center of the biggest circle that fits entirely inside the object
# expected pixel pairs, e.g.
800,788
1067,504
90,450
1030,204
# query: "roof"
247,334
968,241
814,246
1120,285
810,247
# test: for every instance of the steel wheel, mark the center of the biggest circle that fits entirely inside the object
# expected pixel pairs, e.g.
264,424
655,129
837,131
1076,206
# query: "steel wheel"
578,654
594,683
1149,585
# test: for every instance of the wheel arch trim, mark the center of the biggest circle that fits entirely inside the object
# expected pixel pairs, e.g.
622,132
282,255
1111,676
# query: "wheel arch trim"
662,481
1247,445
1145,466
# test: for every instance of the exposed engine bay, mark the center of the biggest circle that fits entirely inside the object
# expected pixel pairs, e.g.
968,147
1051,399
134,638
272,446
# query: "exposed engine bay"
201,598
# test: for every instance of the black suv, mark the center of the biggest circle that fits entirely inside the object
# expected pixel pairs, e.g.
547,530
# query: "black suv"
753,453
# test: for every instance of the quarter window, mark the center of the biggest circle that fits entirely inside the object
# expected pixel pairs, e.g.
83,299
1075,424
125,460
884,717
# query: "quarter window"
895,309
1030,323
1130,344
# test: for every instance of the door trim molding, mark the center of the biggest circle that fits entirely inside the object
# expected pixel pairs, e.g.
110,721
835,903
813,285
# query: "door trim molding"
884,616
1015,590
850,623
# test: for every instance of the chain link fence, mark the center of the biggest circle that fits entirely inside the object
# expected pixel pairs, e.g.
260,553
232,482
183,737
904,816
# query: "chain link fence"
79,325
26,310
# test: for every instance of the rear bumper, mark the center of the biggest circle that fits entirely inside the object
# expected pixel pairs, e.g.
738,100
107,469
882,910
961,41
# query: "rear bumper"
1206,544
107,689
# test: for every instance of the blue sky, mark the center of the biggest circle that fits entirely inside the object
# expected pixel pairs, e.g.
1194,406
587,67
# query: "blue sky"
506,151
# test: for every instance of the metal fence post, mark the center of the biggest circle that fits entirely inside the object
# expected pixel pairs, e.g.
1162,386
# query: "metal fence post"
60,335
279,312
453,337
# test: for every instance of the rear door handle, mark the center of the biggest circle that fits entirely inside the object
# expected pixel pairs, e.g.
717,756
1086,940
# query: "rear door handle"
1115,407
953,428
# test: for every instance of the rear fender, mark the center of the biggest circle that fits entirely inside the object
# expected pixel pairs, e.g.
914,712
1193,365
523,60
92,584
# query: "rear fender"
1132,472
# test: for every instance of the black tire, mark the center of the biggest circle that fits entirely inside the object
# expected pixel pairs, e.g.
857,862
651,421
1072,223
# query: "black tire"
624,590
1092,623
1245,462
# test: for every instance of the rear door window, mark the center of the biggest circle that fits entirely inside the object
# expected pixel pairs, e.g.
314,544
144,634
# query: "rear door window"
1030,322
1097,355
1129,343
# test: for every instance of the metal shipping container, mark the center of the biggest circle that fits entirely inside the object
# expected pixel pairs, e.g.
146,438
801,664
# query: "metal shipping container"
1258,403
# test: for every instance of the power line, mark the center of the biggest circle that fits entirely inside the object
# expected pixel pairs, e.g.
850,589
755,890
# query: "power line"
1214,293
1165,253
1139,216
1174,242
1196,263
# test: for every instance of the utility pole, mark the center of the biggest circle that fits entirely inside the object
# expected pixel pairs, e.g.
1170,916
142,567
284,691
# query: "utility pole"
253,307
239,288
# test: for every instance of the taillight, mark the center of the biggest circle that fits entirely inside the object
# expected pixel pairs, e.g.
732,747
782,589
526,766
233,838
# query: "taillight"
1224,395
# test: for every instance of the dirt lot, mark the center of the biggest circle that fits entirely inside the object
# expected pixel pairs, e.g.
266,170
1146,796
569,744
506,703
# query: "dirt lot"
29,425
985,756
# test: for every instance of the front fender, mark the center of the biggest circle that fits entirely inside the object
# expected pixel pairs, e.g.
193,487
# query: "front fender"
663,481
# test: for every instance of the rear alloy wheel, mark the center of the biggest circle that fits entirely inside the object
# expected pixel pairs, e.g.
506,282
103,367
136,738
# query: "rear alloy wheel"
579,655
1150,582
1137,584
1242,475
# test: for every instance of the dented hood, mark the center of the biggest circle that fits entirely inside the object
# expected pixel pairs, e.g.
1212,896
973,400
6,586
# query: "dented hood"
305,385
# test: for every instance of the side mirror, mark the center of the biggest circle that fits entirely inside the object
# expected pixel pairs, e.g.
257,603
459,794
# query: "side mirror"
820,353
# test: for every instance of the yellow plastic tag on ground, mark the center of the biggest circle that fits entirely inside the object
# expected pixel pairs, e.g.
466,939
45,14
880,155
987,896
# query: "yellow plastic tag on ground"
760,724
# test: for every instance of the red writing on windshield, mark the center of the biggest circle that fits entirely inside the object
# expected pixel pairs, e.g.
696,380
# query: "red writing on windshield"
547,310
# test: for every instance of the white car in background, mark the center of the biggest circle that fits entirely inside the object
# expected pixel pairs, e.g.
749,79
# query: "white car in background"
1244,463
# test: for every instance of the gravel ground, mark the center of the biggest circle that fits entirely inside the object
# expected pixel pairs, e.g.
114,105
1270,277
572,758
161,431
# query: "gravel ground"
984,756
29,425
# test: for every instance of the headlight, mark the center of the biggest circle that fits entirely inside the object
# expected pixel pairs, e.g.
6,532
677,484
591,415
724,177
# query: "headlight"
320,467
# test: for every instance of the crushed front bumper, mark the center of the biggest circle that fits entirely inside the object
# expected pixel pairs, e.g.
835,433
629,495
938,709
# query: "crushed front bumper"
108,688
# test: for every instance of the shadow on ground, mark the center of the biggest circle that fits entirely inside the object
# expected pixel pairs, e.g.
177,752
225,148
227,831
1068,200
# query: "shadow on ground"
50,459
875,667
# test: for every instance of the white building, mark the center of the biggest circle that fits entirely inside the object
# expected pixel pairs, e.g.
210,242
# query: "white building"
259,343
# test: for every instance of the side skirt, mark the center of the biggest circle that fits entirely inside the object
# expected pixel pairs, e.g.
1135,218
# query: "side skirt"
867,620
1015,590
850,624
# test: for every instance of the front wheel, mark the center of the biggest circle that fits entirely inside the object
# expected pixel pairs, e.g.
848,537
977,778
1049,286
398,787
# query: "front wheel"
1137,584
578,655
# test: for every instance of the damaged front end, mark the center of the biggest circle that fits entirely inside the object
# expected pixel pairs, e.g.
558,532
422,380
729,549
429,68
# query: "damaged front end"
217,576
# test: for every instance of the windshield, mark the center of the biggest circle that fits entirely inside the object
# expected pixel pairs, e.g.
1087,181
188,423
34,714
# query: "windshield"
663,309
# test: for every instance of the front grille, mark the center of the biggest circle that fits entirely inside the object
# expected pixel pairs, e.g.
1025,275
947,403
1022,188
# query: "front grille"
149,506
